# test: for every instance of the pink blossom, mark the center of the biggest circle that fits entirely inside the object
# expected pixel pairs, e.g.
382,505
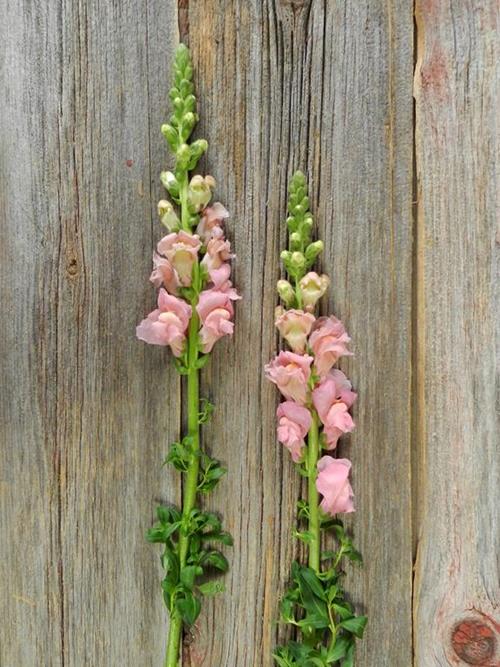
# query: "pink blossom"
291,372
218,252
164,274
167,324
210,225
293,425
333,484
181,250
220,277
332,400
329,342
216,310
294,326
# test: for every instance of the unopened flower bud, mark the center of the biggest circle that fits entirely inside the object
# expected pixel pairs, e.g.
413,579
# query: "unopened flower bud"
183,154
312,288
297,261
170,183
286,292
170,135
200,191
295,240
313,250
168,216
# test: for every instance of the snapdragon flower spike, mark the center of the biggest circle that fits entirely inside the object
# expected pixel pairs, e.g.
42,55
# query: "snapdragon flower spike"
192,271
314,415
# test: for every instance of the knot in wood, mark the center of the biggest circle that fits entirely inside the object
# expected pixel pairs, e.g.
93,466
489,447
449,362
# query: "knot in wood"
473,642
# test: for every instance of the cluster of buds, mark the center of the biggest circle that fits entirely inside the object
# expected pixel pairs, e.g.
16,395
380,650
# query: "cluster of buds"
305,374
191,264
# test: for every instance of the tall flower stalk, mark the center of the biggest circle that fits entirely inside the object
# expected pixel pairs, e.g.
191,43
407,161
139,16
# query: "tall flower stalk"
318,398
191,269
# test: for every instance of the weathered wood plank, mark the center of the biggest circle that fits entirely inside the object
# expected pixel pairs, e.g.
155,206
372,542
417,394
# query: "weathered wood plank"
456,570
92,409
327,89
30,546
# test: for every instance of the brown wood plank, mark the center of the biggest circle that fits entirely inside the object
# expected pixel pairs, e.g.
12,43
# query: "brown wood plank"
93,410
456,569
304,84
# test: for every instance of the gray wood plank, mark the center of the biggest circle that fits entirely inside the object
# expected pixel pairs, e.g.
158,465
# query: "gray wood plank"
89,410
311,85
456,575
30,468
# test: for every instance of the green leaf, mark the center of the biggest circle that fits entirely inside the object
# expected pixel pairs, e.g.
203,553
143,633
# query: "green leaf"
339,649
356,625
188,575
311,578
189,607
348,661
343,610
217,560
210,588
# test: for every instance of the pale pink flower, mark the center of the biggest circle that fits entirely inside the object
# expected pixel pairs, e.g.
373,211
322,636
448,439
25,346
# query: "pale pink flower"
290,372
210,225
333,484
164,274
328,341
216,310
181,250
312,288
218,252
167,324
220,277
294,422
332,400
294,326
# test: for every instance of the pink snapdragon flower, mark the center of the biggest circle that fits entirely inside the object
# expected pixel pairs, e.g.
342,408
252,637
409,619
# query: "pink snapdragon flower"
216,310
291,372
164,274
294,422
332,400
181,250
294,326
167,324
220,277
210,225
218,252
333,484
328,341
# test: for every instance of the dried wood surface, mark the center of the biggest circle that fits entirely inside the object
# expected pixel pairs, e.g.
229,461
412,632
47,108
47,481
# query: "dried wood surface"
87,412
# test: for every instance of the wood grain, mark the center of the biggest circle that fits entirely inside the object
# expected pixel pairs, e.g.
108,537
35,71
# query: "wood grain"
456,570
87,411
328,89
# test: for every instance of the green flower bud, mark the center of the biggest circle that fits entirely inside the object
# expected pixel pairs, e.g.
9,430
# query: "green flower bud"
295,240
168,216
170,135
313,250
298,261
198,147
286,292
183,154
286,256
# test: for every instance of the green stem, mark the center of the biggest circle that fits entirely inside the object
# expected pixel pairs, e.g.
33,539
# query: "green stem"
312,493
191,482
183,195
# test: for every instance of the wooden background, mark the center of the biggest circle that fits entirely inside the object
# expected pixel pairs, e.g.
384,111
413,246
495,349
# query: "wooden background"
390,109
